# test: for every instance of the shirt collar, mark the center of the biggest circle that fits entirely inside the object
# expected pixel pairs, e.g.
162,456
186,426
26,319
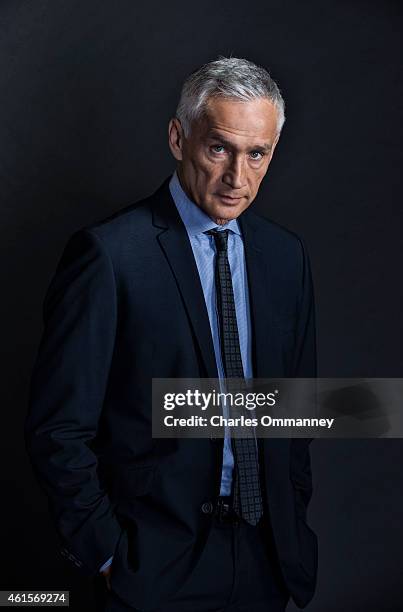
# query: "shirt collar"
194,218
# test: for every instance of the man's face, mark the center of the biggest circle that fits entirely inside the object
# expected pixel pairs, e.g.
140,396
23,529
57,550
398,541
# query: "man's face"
226,155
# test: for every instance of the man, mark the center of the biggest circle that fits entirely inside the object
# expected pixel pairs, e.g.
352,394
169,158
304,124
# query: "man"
173,525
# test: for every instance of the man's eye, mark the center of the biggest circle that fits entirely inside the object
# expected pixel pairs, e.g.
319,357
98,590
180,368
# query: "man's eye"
256,155
216,147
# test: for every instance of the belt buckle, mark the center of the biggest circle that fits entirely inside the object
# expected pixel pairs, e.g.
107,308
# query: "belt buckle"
223,510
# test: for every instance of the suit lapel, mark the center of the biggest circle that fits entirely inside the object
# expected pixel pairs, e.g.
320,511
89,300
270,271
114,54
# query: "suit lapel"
174,242
257,269
275,451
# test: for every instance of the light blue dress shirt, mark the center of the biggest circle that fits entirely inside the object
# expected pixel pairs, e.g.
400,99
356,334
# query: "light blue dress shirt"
197,223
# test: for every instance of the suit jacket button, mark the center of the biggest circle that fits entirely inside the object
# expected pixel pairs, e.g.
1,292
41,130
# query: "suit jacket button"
207,508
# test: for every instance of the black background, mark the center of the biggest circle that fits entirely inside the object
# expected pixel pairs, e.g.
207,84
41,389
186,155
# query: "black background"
87,89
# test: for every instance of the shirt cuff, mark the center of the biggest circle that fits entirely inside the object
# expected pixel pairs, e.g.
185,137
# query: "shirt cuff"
106,564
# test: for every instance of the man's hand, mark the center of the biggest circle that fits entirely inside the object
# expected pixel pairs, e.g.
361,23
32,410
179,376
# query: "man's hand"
107,573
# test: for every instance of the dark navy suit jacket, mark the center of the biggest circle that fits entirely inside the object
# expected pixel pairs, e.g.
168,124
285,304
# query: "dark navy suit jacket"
126,305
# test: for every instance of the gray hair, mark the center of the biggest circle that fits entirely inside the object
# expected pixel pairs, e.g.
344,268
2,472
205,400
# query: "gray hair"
227,77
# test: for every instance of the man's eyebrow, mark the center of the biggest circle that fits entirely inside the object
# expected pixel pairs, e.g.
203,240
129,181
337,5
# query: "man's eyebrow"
215,135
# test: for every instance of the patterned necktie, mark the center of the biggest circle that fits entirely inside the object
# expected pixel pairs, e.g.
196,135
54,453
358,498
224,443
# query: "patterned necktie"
247,498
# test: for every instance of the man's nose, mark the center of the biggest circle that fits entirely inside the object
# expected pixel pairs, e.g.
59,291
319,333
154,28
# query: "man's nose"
235,174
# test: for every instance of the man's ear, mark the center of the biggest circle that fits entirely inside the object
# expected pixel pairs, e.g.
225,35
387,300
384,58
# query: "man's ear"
175,138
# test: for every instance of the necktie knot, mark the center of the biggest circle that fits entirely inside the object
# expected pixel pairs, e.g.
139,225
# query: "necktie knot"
221,239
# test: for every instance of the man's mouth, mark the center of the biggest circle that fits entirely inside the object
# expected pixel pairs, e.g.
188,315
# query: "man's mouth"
229,199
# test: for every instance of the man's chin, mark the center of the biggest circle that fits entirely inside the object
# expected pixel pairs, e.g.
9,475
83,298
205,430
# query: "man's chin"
226,212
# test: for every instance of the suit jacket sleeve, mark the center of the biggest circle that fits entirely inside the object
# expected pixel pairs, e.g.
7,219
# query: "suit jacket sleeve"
66,397
305,366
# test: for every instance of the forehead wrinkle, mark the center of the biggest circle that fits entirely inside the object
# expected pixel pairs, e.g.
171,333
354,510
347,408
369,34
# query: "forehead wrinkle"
228,114
214,133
